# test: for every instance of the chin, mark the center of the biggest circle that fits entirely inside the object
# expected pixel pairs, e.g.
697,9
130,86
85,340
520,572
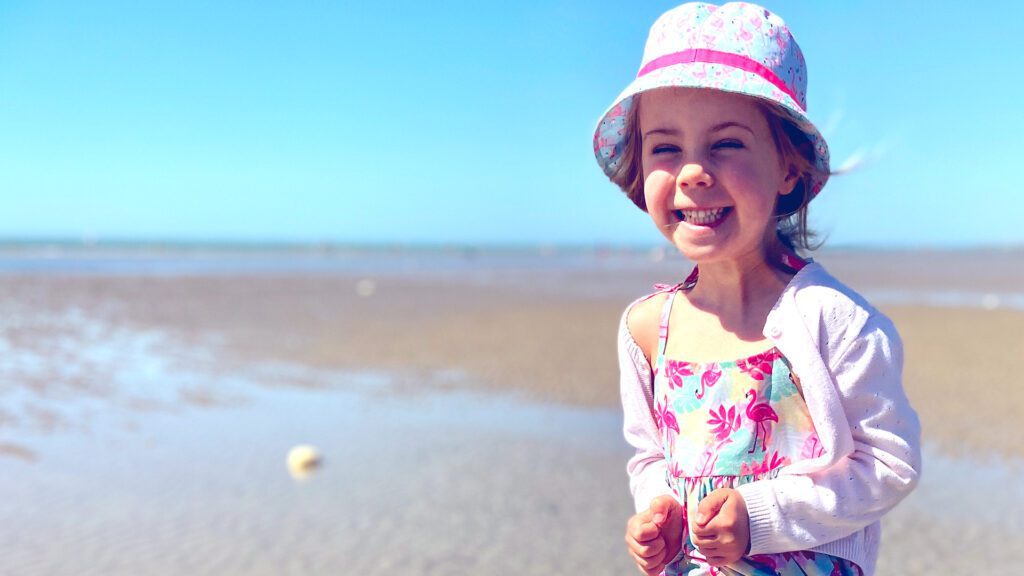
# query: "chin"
708,254
698,254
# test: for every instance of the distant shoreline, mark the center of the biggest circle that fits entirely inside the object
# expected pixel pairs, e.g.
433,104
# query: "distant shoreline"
78,246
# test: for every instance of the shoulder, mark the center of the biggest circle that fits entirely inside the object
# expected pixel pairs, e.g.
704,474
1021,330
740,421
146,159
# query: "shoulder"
830,309
815,289
640,322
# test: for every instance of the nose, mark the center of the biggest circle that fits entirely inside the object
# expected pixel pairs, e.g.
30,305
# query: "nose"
694,175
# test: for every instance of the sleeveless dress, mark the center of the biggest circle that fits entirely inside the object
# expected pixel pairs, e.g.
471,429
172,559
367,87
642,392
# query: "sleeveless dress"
724,424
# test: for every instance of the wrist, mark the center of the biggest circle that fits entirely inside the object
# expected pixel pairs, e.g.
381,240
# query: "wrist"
759,517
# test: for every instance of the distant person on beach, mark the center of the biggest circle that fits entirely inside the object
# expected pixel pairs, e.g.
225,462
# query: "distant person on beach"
763,397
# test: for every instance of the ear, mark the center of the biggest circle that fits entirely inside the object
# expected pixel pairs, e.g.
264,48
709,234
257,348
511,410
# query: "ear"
790,181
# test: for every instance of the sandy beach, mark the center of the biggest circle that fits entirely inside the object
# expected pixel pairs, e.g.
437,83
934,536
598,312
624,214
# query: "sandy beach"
495,388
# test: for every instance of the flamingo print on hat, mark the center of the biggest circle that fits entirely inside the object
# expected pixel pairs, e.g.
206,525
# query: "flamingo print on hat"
737,47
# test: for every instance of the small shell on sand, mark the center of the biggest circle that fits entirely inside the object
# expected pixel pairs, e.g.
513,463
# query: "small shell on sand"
366,287
302,460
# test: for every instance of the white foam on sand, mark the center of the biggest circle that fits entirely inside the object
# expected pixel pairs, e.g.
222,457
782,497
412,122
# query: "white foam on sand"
949,299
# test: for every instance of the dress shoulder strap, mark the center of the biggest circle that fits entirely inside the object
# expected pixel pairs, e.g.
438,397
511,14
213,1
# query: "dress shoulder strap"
666,313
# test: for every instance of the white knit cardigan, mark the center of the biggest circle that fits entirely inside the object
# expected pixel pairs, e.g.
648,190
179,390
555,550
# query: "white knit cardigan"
849,359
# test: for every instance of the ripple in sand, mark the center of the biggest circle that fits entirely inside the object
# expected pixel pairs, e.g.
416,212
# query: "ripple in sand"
17,452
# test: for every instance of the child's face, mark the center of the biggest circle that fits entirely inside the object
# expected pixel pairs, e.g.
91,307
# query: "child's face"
711,172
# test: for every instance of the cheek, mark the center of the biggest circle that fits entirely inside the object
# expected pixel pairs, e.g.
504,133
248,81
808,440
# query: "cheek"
759,186
657,186
746,176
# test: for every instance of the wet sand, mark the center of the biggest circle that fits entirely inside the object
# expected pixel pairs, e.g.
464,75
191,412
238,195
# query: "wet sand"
525,333
518,335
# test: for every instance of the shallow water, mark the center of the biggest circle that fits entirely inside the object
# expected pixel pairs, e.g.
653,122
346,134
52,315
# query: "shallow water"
127,452
437,484
984,279
966,517
441,483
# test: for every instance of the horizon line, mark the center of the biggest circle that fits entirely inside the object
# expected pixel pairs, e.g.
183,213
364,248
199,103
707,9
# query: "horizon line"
69,242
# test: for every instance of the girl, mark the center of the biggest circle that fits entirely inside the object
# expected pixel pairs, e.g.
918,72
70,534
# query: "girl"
772,432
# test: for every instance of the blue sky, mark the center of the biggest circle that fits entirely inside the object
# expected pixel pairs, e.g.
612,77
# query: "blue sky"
466,122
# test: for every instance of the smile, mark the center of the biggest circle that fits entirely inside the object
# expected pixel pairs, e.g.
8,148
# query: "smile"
709,218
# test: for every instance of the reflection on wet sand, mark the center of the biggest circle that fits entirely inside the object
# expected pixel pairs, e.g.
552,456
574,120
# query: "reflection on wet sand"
465,412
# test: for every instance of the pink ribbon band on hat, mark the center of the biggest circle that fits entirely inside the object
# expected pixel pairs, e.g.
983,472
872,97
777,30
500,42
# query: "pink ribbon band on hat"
715,57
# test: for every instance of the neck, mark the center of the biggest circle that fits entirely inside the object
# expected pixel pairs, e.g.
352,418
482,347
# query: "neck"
739,291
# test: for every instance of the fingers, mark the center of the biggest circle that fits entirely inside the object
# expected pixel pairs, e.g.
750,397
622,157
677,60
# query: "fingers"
644,541
709,506
721,532
662,509
719,555
654,536
641,529
644,538
652,566
647,550
720,547
713,540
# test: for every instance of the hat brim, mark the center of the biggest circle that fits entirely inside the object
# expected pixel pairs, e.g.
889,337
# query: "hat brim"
613,131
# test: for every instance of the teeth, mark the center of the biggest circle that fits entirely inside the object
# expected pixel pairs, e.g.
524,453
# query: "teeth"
701,217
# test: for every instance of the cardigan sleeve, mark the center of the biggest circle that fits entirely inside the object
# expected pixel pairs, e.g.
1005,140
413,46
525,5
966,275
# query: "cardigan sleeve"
801,511
647,469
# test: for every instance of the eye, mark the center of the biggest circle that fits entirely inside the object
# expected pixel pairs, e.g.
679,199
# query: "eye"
665,149
729,143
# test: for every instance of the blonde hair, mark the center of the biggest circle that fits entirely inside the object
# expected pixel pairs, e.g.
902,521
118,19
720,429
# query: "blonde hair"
792,145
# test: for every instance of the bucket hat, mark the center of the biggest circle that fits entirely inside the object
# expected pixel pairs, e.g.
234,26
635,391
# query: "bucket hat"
736,47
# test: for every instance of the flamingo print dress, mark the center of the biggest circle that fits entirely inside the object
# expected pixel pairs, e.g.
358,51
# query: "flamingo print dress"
727,423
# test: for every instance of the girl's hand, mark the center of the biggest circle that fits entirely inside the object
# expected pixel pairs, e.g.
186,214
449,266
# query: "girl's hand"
721,530
655,535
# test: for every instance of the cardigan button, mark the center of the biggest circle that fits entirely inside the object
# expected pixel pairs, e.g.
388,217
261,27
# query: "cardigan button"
775,331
